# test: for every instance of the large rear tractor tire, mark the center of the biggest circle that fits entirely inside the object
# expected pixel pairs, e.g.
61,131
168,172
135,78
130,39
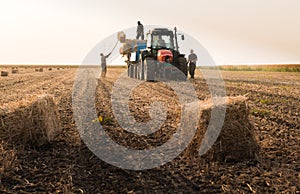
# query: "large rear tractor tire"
183,68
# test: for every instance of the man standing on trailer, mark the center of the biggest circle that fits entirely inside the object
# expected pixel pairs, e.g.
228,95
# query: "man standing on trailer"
192,63
140,31
103,64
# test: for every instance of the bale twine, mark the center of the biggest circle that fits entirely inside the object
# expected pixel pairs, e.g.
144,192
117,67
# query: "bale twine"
31,122
236,141
4,73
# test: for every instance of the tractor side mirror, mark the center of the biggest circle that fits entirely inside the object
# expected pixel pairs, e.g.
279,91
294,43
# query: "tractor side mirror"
182,37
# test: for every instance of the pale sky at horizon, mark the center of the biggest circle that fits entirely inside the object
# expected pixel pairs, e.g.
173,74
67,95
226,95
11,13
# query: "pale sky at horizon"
232,31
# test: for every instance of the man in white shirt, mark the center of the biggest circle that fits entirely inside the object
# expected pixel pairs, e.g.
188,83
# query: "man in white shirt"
103,64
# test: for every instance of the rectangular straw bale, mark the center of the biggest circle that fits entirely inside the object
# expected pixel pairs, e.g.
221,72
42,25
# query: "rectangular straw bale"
4,73
14,71
32,122
236,140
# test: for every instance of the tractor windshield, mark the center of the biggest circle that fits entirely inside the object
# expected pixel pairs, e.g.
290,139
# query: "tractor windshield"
162,41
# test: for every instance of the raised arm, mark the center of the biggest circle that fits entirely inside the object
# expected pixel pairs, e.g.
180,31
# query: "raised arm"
108,55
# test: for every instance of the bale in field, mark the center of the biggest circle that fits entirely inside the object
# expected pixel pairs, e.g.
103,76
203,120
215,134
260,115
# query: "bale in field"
39,70
50,69
236,141
33,122
4,73
14,71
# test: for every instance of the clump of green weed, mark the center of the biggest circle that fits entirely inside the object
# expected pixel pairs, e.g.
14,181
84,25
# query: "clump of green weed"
260,112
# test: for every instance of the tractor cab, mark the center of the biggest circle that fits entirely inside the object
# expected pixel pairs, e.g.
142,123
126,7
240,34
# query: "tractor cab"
160,38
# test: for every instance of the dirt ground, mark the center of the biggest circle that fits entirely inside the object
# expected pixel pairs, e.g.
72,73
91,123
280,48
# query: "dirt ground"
66,165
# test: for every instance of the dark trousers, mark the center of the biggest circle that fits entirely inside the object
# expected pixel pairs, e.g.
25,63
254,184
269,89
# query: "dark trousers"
140,35
192,68
104,70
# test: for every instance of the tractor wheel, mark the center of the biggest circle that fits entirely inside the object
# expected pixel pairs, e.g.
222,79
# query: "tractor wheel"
135,71
183,68
130,71
141,72
149,69
138,70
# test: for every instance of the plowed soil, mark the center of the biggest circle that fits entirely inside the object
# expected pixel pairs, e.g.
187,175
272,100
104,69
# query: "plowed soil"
66,165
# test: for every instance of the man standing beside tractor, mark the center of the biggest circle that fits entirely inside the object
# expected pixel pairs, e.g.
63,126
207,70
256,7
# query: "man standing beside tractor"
192,63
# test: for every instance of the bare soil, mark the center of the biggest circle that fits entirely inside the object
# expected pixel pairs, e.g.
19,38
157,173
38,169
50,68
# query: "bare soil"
66,165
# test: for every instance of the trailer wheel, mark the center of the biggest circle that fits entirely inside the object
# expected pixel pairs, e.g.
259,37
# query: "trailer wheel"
135,71
149,69
131,71
138,70
141,69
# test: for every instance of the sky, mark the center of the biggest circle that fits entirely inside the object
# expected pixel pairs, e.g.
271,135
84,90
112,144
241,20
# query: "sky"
232,31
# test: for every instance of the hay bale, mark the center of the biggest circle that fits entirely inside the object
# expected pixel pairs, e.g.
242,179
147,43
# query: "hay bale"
14,71
4,73
32,122
39,70
236,141
50,69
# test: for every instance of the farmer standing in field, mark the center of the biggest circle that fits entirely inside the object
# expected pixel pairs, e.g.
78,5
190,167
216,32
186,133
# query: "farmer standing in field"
192,63
103,64
140,31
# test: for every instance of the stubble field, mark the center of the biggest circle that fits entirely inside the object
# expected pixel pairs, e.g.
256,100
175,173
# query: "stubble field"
66,165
